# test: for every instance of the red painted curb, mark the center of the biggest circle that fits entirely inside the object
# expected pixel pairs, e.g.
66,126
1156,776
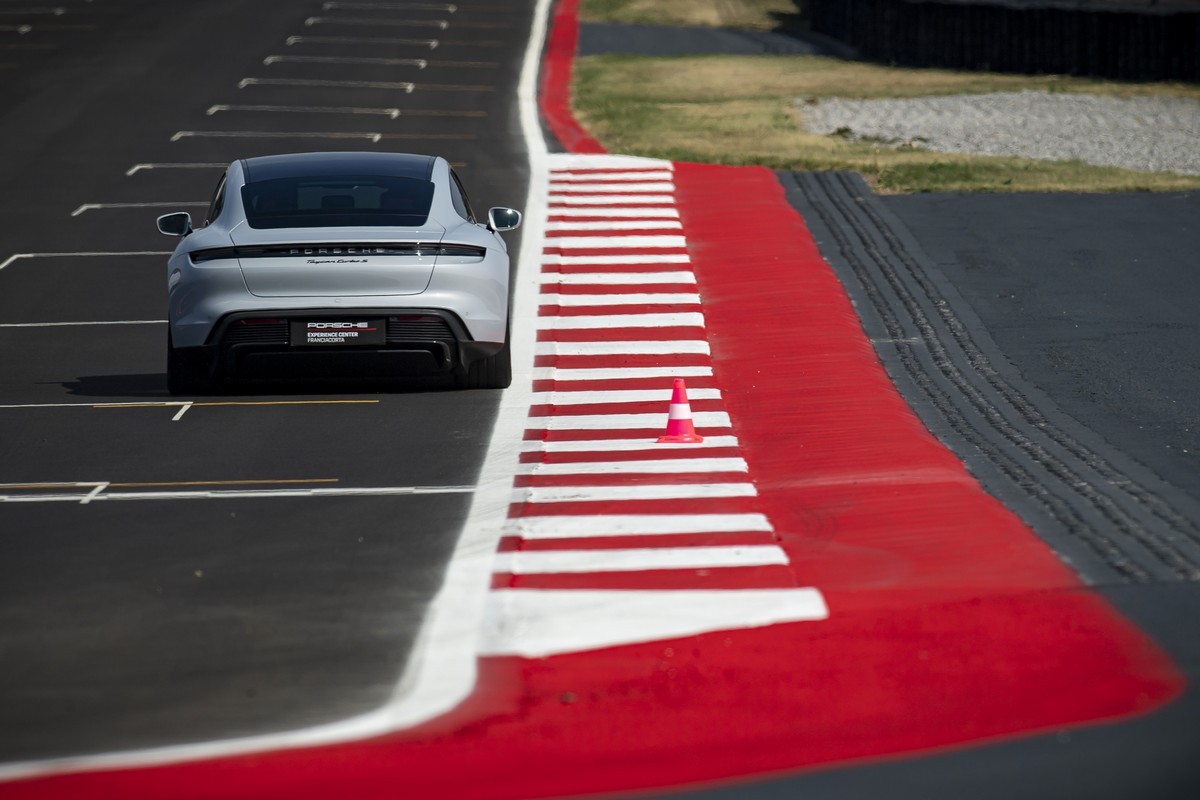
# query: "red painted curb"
555,95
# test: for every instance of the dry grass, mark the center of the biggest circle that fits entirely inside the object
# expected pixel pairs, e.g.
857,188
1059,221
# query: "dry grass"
736,110
750,14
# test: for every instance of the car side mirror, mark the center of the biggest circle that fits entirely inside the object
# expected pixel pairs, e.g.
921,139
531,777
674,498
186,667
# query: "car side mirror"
503,219
177,224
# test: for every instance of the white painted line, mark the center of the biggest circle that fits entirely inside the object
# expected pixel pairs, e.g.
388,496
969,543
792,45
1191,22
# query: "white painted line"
370,137
647,199
616,212
619,299
615,225
604,525
619,396
617,373
440,24
18,29
235,494
534,623
609,445
447,7
170,403
616,242
183,409
136,168
75,324
665,466
547,562
567,176
16,256
615,260
403,86
419,63
93,494
601,422
99,206
295,40
680,320
384,112
670,347
617,278
637,491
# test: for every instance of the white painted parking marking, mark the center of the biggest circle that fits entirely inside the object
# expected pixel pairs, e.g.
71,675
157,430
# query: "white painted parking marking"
544,562
447,7
136,168
440,24
670,347
90,496
609,445
599,422
183,409
618,373
18,256
385,112
98,206
291,41
665,466
637,491
598,525
419,63
581,323
75,324
236,494
618,299
403,86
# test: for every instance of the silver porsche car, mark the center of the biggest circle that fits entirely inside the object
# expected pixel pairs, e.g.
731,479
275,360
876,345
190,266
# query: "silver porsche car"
338,266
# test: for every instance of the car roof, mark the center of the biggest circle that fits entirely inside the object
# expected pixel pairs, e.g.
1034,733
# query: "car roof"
294,165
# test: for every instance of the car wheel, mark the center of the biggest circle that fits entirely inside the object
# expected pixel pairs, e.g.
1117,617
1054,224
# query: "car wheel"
493,372
186,372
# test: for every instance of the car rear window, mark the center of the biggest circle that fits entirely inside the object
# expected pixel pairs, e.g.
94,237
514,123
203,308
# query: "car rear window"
333,202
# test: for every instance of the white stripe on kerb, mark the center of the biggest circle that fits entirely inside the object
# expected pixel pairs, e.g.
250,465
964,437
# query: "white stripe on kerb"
637,491
639,348
617,278
616,373
600,187
534,623
615,225
546,562
619,299
616,212
620,396
604,525
603,200
566,162
609,445
690,319
564,176
614,259
615,242
666,466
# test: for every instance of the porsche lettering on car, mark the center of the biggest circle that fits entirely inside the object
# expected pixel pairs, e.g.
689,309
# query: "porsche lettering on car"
338,266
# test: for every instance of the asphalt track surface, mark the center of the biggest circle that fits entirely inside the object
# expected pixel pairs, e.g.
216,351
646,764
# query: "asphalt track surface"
138,622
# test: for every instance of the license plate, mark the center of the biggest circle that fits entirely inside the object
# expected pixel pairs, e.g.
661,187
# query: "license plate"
331,332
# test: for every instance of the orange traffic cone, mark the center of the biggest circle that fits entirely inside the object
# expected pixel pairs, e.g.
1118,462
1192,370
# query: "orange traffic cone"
679,417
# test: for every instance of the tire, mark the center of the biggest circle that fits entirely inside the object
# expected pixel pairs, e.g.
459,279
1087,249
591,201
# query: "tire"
493,372
187,373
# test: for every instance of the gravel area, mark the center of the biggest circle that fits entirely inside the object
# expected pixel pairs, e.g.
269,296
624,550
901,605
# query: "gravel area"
1152,134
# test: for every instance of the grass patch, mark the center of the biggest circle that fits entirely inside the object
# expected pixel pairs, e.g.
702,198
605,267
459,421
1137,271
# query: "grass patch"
748,14
742,110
